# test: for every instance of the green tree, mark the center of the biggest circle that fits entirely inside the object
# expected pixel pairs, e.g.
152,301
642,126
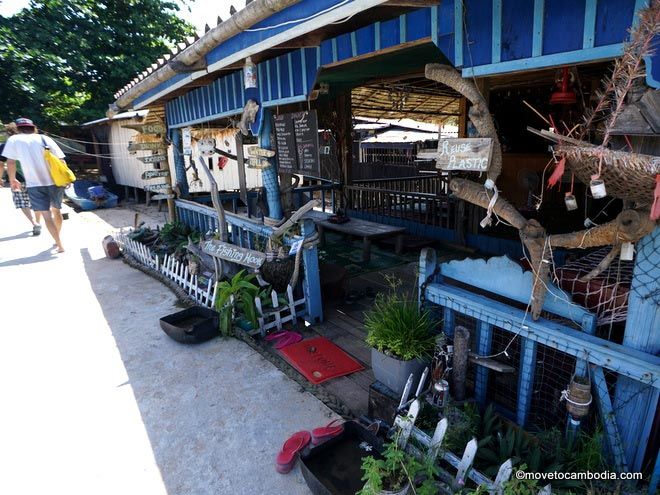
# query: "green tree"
61,61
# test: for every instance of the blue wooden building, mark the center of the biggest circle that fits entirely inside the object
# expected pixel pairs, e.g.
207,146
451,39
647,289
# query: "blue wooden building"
318,53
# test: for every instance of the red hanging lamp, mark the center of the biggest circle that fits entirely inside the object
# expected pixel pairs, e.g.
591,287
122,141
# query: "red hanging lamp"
564,95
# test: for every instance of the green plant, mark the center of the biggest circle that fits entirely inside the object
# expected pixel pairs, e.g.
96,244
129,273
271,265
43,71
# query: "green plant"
395,470
396,326
239,292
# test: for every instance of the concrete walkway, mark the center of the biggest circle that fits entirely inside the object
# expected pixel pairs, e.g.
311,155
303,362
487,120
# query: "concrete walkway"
96,399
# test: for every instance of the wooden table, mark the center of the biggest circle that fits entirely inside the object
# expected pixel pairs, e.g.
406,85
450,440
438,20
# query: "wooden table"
357,227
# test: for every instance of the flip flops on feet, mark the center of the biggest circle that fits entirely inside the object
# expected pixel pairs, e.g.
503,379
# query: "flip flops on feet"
289,454
332,429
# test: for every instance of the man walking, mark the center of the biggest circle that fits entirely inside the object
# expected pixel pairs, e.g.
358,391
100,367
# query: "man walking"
20,198
46,198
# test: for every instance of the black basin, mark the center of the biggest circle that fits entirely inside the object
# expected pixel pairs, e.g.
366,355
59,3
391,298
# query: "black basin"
192,325
334,467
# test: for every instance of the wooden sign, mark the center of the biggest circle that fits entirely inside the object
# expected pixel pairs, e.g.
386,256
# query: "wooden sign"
152,174
149,146
156,187
255,162
152,158
156,197
235,254
468,155
256,151
155,128
206,146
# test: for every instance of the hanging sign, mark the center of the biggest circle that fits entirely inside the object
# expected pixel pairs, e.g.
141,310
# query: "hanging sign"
297,143
235,254
186,140
152,174
467,155
260,163
156,197
154,128
256,151
148,146
206,146
152,158
156,187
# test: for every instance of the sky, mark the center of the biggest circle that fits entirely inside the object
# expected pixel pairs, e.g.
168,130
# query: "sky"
202,11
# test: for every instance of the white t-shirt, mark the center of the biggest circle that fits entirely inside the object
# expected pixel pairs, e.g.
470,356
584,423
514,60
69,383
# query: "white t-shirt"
29,150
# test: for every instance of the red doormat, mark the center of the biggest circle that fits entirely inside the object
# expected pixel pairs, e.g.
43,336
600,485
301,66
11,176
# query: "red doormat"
319,360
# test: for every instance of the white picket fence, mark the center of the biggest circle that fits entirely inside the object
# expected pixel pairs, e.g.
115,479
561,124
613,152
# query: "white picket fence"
276,316
464,470
269,318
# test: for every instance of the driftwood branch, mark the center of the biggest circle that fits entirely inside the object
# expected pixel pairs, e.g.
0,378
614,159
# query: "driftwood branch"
532,234
224,234
628,226
603,265
479,113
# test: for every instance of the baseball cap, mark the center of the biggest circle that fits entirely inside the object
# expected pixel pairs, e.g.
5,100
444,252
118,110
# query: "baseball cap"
23,122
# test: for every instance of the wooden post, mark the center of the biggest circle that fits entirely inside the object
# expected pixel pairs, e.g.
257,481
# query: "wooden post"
635,404
462,117
181,178
269,175
525,379
345,136
312,281
461,351
483,348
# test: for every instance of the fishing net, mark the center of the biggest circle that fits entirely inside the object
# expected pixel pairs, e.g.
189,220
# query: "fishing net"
607,294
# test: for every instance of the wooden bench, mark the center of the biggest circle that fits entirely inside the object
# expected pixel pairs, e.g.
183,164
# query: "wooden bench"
357,227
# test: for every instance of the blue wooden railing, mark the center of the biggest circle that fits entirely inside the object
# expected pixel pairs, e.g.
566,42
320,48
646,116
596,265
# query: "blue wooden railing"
592,355
325,192
252,234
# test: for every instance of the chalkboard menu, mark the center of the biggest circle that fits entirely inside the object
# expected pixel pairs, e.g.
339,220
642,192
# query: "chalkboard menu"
285,140
297,139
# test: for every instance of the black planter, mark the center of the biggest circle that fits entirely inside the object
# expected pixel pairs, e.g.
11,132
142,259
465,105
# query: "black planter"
334,467
191,326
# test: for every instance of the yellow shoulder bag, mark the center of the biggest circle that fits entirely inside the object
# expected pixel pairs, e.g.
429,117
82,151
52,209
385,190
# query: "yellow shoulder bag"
59,171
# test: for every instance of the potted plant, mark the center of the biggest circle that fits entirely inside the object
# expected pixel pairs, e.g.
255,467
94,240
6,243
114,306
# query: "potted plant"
237,293
400,336
396,472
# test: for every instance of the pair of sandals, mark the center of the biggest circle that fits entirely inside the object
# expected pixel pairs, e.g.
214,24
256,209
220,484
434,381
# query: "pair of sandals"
288,456
283,338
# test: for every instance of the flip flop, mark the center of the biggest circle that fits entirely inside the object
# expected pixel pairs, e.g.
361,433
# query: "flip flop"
277,335
332,429
287,457
284,338
291,338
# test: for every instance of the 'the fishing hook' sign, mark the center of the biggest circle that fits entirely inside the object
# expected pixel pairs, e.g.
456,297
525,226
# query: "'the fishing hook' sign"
236,254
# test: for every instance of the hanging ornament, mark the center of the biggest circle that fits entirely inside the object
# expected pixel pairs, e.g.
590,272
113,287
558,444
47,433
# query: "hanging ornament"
597,187
569,199
655,209
249,74
627,251
571,202
564,95
557,173
578,397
